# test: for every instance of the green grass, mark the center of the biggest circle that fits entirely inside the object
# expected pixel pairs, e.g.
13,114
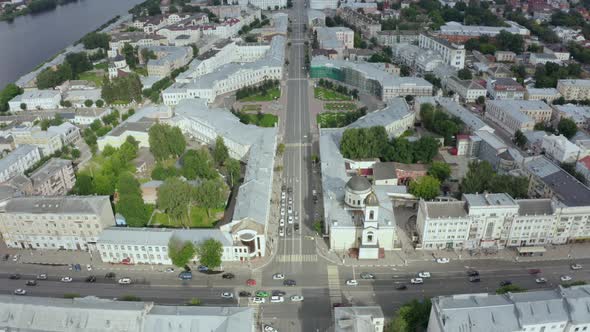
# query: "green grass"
270,95
251,108
326,94
91,76
331,120
266,120
102,65
141,71
339,106
199,218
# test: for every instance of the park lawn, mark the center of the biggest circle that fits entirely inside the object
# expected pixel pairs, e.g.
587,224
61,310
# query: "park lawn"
327,94
331,119
270,95
103,65
91,76
199,218
339,106
267,120
251,108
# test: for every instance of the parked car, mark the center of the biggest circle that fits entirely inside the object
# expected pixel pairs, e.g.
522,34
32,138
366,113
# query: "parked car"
277,299
31,283
424,274
565,278
110,275
202,268
296,298
244,294
77,267
534,271
289,282
278,276
296,226
442,260
228,276
505,283
281,232
251,282
6,257
290,219
417,281
278,293
227,295
576,267
268,328
262,293
282,222
169,270
42,276
258,300
15,258
540,280
185,275
124,281
14,276
20,291
88,267
401,287
352,282
90,279
367,275
66,279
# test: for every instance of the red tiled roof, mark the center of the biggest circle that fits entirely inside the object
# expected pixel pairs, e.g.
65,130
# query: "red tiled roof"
586,162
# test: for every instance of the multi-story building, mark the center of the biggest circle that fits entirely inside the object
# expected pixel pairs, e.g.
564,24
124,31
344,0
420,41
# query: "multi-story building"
543,58
47,142
335,38
66,222
560,52
579,114
323,4
358,319
505,88
264,4
369,78
515,115
505,56
547,94
168,59
368,27
392,37
18,161
452,54
560,149
87,116
150,245
135,39
67,132
459,33
55,178
35,100
574,89
396,118
468,90
555,310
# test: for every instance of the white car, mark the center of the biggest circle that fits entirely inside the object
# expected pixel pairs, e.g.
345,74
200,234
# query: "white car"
281,232
278,276
290,209
424,274
442,260
282,222
352,282
258,300
296,298
283,195
268,328
282,211
227,295
277,299
565,278
417,281
576,267
66,279
124,281
540,280
15,258
290,219
88,267
20,291
169,270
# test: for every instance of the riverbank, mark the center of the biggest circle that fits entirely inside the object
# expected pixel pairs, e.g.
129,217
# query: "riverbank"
35,7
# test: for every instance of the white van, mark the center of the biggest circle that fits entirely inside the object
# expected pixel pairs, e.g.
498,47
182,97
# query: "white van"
277,299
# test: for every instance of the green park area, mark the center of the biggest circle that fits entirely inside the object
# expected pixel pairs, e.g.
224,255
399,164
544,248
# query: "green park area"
92,76
327,94
267,95
339,106
252,108
198,218
332,120
260,119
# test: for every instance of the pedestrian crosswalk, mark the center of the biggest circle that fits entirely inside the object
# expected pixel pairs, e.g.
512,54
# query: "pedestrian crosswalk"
297,258
334,284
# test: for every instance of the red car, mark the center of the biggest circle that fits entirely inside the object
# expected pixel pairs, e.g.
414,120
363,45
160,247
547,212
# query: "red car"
251,282
534,271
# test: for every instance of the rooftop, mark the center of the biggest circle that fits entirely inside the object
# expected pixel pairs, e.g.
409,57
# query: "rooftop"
75,205
533,207
396,109
50,168
16,155
454,209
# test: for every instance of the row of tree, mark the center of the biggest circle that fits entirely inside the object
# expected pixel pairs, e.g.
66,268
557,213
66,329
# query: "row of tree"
260,89
182,252
482,178
354,93
504,41
361,143
73,66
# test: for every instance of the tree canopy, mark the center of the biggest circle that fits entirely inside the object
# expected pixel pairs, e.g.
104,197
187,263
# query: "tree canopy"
10,91
220,152
174,198
567,127
411,317
180,252
130,203
437,121
96,40
440,170
125,89
198,164
166,141
426,187
481,177
210,252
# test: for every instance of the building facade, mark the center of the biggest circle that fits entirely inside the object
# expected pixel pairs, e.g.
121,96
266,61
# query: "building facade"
574,89
55,178
35,100
18,161
452,54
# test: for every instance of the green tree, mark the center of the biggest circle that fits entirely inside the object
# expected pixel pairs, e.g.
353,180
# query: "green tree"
440,170
426,187
95,40
99,103
511,289
411,317
174,198
464,74
567,127
210,252
425,149
198,164
88,103
232,171
477,178
180,252
83,184
166,141
280,149
10,91
211,194
130,54
480,100
515,186
78,62
220,153
520,139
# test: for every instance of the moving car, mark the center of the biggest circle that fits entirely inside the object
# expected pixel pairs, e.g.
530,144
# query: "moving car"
258,300
228,276
442,260
289,282
169,270
251,282
202,268
474,279
110,275
424,274
262,293
296,298
540,280
88,267
565,278
534,271
90,279
227,295
352,282
244,294
66,279
14,276
124,281
401,287
42,276
505,283
278,276
576,267
472,273
15,258
31,283
20,291
185,275
277,299
268,328
367,275
282,222
417,281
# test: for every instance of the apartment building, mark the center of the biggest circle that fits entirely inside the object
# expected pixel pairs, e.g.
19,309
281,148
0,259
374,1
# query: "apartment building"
547,94
392,37
468,90
505,56
35,100
555,310
18,161
560,149
574,89
505,88
65,222
323,4
87,116
47,142
135,39
560,52
67,132
518,114
396,118
543,58
368,27
55,178
577,113
459,33
168,59
452,54
335,38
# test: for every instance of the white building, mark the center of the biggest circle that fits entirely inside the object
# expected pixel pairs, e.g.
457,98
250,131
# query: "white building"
574,89
35,100
452,54
396,117
458,29
116,137
168,59
323,4
87,116
577,113
560,149
505,88
67,132
555,310
358,319
67,222
468,90
515,115
335,38
18,161
543,58
79,96
547,94
264,4
48,142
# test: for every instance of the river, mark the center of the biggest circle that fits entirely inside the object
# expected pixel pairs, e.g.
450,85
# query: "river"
32,39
